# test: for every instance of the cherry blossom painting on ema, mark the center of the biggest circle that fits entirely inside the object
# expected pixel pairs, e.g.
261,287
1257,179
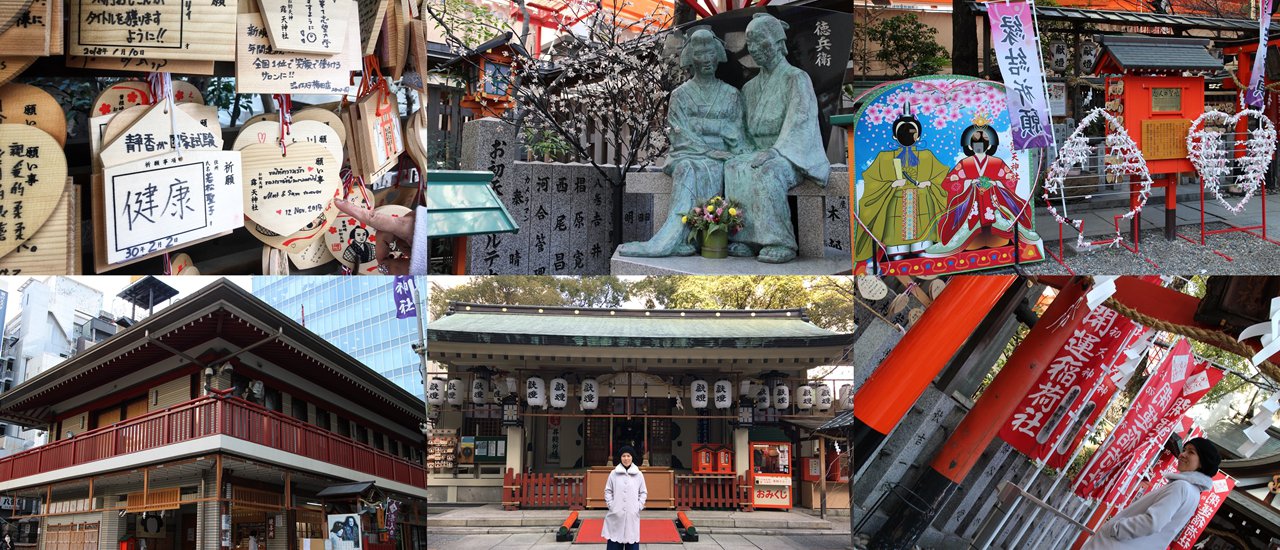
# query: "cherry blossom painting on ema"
938,187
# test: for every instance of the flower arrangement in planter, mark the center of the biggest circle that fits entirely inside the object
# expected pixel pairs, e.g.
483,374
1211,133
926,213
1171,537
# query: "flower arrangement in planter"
713,220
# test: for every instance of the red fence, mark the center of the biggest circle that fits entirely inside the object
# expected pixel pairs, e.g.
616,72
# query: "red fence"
711,492
208,416
548,490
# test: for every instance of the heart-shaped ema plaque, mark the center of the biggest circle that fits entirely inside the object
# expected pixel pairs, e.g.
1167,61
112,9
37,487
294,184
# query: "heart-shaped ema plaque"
1076,150
29,105
1214,159
314,255
325,116
33,175
283,193
309,131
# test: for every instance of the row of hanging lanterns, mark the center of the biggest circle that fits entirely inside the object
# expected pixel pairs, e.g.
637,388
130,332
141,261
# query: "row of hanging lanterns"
702,394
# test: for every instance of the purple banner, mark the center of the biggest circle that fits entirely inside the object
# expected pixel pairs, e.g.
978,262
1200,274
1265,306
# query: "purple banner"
404,290
1013,32
1257,85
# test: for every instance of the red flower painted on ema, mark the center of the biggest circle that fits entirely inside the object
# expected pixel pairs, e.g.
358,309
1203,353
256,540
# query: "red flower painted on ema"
105,109
132,97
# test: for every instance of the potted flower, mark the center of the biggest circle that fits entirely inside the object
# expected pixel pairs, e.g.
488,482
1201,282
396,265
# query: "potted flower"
712,221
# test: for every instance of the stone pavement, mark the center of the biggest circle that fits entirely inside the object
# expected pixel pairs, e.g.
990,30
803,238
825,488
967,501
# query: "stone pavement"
722,541
492,519
1229,253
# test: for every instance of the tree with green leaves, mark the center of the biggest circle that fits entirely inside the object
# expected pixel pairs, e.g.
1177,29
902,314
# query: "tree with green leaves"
531,291
828,301
907,46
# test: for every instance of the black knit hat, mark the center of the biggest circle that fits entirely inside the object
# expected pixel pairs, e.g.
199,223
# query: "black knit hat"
626,449
1209,457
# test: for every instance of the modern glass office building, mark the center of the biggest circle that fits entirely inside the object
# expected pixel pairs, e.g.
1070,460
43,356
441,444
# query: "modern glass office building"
357,315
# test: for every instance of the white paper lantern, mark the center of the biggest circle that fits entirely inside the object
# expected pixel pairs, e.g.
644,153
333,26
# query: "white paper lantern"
824,397
804,397
590,394
512,384
454,392
744,388
535,392
559,393
762,397
846,397
782,396
698,394
435,391
478,390
723,396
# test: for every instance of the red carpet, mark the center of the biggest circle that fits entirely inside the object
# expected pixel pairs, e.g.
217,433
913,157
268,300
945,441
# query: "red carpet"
652,531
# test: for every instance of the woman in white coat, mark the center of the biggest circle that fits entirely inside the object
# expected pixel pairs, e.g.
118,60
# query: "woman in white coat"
1153,521
625,494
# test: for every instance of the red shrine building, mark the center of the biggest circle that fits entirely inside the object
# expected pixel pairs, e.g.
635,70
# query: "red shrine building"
215,420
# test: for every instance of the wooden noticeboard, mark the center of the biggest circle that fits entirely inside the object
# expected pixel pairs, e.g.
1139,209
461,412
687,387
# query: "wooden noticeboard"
1165,139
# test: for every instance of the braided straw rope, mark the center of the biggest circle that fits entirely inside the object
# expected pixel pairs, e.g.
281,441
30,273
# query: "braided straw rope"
1213,337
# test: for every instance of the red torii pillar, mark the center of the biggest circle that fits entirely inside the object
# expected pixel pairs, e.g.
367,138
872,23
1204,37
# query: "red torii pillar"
917,359
974,434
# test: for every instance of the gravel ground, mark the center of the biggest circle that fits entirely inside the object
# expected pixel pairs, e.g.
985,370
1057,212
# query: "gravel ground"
1249,255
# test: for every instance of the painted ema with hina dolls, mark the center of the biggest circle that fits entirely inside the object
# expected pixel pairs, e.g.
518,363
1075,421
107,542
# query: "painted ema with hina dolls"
937,187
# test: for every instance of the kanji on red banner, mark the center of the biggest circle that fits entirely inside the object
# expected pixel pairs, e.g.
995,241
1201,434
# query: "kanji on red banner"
1198,383
1210,501
1045,412
1148,415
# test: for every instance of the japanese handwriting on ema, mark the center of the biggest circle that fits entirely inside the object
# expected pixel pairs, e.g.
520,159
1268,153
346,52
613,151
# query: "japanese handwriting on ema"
142,204
24,175
822,57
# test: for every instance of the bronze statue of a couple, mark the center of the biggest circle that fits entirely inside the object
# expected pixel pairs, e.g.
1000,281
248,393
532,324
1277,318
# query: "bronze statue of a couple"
750,146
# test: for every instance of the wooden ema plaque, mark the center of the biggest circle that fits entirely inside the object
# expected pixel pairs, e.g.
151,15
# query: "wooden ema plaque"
285,192
37,30
371,13
352,242
159,29
141,64
12,66
261,69
31,106
308,26
1165,139
10,11
49,251
160,203
33,175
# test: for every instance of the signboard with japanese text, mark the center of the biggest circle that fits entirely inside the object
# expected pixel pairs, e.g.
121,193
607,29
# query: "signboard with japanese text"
1013,34
403,291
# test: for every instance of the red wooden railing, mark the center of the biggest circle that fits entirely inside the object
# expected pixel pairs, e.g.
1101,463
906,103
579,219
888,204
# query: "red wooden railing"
209,416
549,490
711,492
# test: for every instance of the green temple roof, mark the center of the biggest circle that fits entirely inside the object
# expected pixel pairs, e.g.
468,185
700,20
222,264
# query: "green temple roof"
584,327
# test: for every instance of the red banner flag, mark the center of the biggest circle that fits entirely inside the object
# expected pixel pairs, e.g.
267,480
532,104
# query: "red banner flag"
1197,385
1149,413
1045,412
1169,464
1210,501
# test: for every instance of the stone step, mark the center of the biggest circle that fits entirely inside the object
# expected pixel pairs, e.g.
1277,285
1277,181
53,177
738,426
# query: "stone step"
708,530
